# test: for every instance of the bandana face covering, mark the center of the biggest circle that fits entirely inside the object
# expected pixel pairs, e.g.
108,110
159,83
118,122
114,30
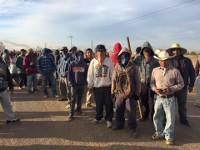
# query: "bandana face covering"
124,59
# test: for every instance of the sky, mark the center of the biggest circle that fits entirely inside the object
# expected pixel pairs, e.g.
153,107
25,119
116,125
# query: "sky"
32,23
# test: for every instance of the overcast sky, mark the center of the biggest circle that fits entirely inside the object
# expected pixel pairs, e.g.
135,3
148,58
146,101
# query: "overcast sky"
161,22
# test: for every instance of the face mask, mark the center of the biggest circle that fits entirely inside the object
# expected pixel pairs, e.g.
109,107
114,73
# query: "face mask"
124,59
65,52
80,58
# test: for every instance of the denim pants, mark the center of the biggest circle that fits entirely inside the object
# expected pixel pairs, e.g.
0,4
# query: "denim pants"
6,104
77,93
65,89
182,100
197,83
102,96
45,78
22,80
32,82
167,106
130,104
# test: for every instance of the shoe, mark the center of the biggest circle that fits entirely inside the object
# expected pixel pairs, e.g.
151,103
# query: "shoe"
68,106
94,122
156,136
89,106
56,96
196,104
80,113
108,124
36,90
20,88
45,96
117,127
134,134
143,119
62,99
169,142
13,121
185,123
70,119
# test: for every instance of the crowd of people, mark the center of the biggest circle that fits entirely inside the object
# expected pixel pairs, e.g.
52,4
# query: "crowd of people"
156,78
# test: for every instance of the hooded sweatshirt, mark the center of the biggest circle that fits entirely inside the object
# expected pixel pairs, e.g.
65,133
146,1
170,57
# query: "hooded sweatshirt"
77,74
134,73
117,48
100,75
46,63
146,68
29,64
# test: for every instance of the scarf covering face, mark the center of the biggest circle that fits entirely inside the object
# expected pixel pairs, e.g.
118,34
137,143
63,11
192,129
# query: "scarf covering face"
124,60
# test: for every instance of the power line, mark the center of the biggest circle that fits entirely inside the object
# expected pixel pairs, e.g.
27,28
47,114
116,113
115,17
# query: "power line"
145,15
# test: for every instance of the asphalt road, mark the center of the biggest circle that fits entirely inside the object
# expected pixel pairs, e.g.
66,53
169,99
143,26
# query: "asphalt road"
44,126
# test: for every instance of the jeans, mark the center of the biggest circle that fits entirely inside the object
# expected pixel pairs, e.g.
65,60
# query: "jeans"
22,80
182,100
65,89
167,106
130,104
102,97
198,89
77,93
45,78
6,104
32,82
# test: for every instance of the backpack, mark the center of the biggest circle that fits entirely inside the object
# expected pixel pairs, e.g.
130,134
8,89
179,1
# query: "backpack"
124,83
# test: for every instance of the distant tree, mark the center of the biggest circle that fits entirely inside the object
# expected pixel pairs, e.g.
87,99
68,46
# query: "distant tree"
192,53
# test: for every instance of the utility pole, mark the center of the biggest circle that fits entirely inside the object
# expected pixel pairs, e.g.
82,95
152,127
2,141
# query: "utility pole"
92,44
70,36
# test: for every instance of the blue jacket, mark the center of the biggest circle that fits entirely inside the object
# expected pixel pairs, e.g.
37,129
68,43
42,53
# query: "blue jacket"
63,65
186,69
77,74
46,63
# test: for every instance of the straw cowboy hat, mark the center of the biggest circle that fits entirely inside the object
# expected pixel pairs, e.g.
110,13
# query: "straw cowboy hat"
176,46
163,55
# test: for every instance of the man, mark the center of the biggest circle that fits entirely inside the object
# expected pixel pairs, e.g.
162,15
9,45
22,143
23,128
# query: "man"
62,70
5,82
89,96
165,81
46,66
146,63
126,66
99,80
197,82
184,65
77,78
21,69
30,62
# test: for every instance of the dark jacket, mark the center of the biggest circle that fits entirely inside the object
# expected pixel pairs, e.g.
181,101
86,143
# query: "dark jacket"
63,64
46,63
5,78
19,64
77,74
184,65
146,69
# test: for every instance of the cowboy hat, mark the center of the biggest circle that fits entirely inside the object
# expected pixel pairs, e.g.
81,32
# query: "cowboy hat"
176,46
163,55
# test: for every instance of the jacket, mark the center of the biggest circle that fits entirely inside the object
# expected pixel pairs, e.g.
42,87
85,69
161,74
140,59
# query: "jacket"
135,76
63,65
117,48
185,66
77,73
30,62
19,64
5,78
46,63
